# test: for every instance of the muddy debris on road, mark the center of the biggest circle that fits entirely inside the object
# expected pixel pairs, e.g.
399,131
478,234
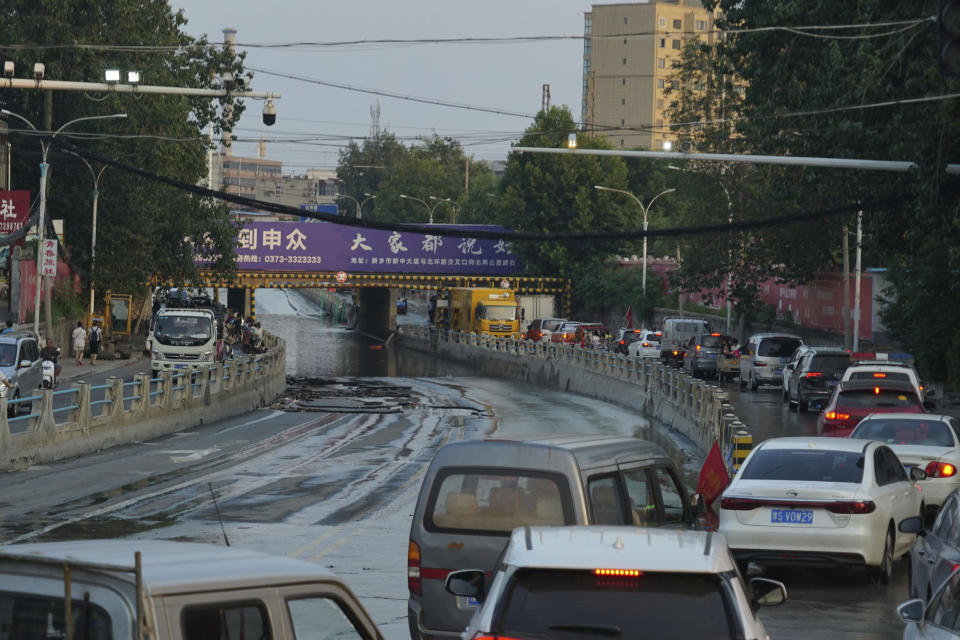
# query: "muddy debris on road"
345,395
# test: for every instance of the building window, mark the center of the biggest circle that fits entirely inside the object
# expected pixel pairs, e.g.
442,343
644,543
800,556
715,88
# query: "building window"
623,101
678,24
662,22
621,142
623,81
624,61
661,63
659,103
663,43
587,47
659,124
676,44
624,19
279,190
675,63
659,83
624,41
622,122
701,25
588,25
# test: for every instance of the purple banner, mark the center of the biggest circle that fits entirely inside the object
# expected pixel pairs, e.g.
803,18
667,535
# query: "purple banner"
323,246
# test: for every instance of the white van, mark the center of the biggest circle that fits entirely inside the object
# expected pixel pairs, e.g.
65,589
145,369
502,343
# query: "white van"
183,339
163,590
675,336
763,357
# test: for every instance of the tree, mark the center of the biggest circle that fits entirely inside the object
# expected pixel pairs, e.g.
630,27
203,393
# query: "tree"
142,225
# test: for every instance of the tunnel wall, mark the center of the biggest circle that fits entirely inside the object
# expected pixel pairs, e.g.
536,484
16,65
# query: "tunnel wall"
696,409
145,408
377,311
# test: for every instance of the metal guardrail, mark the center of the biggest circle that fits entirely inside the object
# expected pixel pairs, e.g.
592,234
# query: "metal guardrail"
704,407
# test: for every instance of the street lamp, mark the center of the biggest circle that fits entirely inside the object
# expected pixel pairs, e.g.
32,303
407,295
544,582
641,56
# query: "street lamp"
429,208
357,202
93,237
453,205
45,148
645,210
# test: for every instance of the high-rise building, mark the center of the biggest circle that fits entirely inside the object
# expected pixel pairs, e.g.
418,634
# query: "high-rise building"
630,52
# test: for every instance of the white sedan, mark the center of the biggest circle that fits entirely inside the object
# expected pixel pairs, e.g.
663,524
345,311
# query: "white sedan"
921,440
646,346
821,501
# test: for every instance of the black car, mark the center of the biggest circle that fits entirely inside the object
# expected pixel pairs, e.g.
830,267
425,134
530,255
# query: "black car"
815,375
623,339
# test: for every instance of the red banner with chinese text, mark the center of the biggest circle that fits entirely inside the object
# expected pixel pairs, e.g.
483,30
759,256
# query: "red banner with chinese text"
713,476
14,211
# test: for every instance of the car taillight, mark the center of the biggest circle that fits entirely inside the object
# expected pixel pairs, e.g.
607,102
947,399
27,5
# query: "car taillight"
645,344
856,507
633,573
940,470
833,415
879,375
675,352
813,374
759,364
623,342
739,504
413,569
698,348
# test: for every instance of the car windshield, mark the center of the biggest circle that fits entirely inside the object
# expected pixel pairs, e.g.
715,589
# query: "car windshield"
712,342
179,327
830,362
778,347
877,397
805,465
576,604
551,325
8,355
910,432
652,337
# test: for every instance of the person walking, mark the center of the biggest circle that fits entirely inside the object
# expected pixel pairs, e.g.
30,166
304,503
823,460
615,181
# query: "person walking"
96,339
79,340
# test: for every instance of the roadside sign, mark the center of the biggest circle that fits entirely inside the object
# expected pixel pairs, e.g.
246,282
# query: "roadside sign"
341,276
48,259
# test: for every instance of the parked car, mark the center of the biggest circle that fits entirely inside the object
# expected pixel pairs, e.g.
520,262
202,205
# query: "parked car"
812,379
586,582
887,366
935,619
20,363
624,338
476,492
922,440
854,400
541,329
703,353
763,356
647,346
565,332
936,552
591,335
829,502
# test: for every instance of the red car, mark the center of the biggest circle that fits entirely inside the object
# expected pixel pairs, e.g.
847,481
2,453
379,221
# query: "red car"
853,400
565,332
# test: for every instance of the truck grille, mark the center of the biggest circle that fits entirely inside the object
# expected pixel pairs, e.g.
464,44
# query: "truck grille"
181,356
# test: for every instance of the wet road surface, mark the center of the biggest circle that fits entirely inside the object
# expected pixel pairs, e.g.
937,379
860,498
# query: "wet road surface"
337,482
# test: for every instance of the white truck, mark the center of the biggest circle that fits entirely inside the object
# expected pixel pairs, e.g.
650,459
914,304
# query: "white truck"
533,306
676,333
183,339
163,590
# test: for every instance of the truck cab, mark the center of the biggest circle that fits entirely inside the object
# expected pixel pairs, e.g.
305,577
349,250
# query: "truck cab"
183,339
484,310
163,590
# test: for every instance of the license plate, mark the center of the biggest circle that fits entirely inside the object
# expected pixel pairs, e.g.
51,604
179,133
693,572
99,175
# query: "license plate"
180,366
778,372
464,602
792,516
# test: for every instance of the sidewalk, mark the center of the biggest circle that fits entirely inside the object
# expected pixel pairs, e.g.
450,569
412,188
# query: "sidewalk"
72,372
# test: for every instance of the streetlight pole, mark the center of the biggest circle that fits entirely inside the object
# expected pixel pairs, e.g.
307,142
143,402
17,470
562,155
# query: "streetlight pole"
450,202
645,210
45,148
357,202
429,208
93,236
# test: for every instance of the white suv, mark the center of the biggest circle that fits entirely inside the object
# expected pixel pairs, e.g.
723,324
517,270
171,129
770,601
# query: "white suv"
571,582
886,366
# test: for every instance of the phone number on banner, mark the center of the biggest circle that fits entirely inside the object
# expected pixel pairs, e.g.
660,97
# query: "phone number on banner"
293,259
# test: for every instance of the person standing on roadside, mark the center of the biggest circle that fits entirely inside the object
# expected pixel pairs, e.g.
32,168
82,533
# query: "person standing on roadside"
79,340
96,339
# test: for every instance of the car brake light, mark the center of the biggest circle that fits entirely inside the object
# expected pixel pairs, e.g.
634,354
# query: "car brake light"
698,348
856,507
759,364
739,504
940,470
675,352
833,415
876,391
622,341
851,506
413,569
813,374
715,335
645,344
618,572
878,374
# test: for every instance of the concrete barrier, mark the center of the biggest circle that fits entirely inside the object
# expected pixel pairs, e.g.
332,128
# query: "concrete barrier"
142,409
697,409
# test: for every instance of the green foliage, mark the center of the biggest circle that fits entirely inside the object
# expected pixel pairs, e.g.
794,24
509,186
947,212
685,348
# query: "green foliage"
144,229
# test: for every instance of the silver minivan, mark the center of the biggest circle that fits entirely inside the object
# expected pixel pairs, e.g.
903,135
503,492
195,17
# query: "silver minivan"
475,493
763,357
20,363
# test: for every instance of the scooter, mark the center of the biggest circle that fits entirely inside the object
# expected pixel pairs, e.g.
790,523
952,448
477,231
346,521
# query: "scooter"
49,373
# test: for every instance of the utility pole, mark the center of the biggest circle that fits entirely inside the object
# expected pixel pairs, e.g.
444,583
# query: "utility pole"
846,287
47,280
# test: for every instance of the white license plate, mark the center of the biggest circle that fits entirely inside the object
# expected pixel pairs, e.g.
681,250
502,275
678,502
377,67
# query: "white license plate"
791,516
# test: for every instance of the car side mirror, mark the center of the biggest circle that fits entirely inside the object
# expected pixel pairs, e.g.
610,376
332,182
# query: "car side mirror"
24,364
767,593
913,524
911,610
468,583
916,473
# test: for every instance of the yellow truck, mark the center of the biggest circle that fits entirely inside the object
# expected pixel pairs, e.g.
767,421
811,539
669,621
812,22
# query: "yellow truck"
483,311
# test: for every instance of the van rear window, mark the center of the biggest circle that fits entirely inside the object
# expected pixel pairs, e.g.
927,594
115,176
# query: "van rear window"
498,501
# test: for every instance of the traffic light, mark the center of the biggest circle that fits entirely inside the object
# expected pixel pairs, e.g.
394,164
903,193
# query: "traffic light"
948,37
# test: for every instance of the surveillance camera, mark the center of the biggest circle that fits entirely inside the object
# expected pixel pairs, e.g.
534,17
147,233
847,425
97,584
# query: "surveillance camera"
241,83
228,81
269,113
38,70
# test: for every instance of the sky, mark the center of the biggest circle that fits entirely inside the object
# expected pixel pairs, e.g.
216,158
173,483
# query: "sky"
506,77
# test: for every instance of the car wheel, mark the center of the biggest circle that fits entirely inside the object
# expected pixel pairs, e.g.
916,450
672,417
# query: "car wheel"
743,384
753,383
881,574
786,395
802,404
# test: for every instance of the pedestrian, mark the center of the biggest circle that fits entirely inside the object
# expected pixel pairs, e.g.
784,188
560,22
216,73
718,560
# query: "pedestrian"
79,340
9,327
96,338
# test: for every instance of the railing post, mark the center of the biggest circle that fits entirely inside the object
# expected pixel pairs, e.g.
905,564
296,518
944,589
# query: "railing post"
115,395
5,436
81,415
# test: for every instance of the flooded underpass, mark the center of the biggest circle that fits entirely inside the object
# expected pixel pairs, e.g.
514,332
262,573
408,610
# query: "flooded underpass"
331,472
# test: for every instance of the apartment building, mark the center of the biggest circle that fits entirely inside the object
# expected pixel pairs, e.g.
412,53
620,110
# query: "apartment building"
630,52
